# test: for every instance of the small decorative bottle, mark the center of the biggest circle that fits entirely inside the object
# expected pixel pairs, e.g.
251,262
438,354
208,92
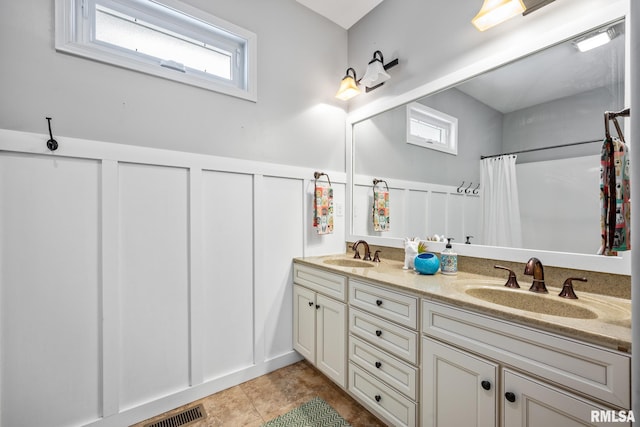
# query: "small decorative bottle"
449,264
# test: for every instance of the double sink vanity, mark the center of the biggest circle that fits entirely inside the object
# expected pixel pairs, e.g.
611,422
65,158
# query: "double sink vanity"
461,350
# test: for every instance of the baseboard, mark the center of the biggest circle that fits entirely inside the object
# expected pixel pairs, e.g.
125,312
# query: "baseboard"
164,404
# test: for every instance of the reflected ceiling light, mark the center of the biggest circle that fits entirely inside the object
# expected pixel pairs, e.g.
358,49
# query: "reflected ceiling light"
348,86
494,12
376,73
593,40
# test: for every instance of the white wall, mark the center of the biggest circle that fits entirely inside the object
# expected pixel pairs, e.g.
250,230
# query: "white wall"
435,38
297,120
381,147
134,280
560,204
562,121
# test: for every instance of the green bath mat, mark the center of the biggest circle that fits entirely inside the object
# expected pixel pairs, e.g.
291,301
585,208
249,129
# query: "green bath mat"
314,413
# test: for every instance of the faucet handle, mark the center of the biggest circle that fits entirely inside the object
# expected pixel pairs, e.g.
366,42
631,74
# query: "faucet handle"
356,255
376,256
512,281
567,288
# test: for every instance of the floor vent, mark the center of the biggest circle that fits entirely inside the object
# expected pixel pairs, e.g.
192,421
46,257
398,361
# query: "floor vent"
182,418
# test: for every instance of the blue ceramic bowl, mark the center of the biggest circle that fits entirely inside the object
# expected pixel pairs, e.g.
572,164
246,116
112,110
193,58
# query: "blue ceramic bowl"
426,263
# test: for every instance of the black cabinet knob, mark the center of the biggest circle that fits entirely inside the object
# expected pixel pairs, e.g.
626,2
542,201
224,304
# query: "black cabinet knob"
310,303
379,302
510,396
378,397
486,385
378,365
317,306
378,332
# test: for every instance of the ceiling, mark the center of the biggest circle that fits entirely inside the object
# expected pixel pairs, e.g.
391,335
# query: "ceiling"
343,13
566,72
347,13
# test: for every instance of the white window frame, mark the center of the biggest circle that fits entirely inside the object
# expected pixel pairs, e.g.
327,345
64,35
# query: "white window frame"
74,34
447,123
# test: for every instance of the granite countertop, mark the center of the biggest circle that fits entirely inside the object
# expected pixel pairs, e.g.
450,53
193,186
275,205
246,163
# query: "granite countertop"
608,323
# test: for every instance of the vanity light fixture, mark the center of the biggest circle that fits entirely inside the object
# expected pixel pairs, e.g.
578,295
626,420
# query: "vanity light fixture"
494,12
348,86
376,73
593,40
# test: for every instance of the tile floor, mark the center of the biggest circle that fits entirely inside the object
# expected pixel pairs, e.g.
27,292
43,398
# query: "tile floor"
257,401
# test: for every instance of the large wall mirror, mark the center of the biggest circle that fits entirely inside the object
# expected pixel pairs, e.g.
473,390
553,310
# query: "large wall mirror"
547,106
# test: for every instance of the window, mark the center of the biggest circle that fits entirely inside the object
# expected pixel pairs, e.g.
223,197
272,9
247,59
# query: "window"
170,40
431,128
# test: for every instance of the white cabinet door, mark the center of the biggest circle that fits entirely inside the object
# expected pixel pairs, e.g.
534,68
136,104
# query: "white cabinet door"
304,322
530,403
320,332
331,338
459,389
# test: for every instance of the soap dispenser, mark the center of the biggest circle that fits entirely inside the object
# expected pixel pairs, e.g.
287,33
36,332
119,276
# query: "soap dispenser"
449,264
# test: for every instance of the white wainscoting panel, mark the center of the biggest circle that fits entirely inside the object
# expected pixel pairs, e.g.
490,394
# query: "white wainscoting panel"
438,211
282,231
50,310
227,225
154,280
455,217
417,218
472,215
136,280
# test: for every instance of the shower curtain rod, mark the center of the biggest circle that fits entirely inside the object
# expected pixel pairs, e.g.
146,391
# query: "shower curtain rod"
540,149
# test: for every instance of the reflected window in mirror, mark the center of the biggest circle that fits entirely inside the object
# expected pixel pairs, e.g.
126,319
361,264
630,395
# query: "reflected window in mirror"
430,128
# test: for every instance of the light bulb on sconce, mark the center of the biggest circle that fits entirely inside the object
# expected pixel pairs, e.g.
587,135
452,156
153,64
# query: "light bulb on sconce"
376,73
494,12
374,77
348,86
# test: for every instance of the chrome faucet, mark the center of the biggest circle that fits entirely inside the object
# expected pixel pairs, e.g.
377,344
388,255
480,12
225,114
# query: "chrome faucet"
534,267
367,252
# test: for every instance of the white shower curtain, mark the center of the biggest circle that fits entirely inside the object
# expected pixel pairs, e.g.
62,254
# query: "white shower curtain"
500,207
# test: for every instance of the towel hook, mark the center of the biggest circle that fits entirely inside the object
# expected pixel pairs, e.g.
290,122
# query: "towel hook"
52,144
475,191
459,190
317,175
466,190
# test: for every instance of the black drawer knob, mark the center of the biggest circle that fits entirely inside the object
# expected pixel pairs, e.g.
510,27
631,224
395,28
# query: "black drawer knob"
378,398
317,306
378,365
486,385
510,396
379,302
378,332
310,303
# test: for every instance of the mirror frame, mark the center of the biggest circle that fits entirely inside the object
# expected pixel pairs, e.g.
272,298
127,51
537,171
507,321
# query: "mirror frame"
615,265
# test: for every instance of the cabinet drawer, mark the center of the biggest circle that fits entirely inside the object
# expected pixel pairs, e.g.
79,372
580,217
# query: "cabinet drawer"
396,373
592,370
395,339
381,399
391,305
326,283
